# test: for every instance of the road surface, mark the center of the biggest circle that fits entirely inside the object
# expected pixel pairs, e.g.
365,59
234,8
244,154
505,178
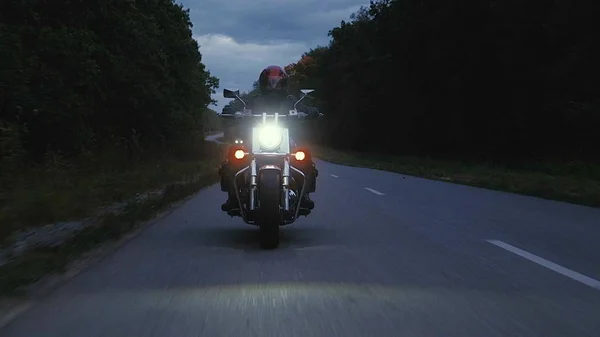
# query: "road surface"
381,255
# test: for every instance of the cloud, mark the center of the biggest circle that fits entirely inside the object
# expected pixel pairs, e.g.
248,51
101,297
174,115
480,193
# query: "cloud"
253,21
238,65
330,18
238,38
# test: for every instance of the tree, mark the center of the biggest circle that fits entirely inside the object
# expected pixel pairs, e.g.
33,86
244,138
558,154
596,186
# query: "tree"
469,78
81,76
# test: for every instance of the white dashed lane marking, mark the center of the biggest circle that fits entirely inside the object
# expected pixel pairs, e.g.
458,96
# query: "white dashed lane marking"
374,191
333,175
548,264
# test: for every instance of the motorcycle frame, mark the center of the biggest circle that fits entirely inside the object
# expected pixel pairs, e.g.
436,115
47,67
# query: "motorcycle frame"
283,152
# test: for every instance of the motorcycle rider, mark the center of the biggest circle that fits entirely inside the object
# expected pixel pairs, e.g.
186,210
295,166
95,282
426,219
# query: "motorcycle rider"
274,97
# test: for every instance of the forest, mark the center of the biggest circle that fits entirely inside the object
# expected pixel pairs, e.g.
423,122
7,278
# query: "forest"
481,80
99,100
81,77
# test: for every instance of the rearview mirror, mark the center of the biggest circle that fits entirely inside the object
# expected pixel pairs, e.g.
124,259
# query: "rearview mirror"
230,93
304,92
233,94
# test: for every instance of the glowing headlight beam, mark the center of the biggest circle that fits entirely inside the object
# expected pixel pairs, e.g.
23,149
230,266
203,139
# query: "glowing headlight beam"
270,137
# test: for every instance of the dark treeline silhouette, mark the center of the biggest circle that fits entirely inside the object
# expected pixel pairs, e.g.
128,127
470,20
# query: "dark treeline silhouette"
478,79
86,77
211,121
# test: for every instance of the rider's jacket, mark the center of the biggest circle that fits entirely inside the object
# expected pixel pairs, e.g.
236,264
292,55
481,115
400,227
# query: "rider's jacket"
271,103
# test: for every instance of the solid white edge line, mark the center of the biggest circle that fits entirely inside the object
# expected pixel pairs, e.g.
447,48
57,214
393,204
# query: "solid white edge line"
333,175
548,264
374,191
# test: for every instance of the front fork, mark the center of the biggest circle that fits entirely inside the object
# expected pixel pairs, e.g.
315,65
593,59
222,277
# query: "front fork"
253,184
286,184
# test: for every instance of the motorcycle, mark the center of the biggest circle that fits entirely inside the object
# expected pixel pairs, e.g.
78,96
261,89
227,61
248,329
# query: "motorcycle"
269,182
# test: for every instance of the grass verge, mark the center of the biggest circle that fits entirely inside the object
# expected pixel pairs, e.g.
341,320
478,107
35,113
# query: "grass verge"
72,191
182,178
577,183
36,264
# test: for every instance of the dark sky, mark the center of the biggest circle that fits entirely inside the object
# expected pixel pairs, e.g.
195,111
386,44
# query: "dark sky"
240,37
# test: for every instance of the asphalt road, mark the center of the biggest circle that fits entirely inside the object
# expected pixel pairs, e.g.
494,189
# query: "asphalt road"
381,255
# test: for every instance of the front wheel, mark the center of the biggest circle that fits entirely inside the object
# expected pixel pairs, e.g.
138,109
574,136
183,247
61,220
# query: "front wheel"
269,216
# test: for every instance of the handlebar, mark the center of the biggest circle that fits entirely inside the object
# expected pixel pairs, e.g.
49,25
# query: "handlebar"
294,114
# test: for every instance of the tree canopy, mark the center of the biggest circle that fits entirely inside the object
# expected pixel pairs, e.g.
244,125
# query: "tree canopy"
461,78
77,76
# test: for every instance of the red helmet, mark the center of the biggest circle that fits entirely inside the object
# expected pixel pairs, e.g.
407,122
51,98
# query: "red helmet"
273,78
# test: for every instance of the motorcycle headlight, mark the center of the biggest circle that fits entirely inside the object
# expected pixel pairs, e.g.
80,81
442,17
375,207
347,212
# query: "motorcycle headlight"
270,137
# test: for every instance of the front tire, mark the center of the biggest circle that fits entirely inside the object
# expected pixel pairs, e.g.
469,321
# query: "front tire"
269,216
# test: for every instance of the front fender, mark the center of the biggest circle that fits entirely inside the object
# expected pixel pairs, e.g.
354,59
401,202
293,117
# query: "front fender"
265,177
